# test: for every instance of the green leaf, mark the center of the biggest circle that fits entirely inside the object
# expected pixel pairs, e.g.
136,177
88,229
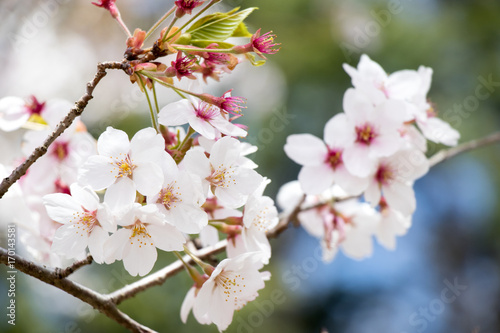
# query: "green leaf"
241,31
220,26
251,57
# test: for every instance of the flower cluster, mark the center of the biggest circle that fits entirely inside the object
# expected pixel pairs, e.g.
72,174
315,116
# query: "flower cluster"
121,199
375,149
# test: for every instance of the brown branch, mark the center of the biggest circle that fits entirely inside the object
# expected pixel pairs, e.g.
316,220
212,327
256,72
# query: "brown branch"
444,155
96,300
62,126
63,273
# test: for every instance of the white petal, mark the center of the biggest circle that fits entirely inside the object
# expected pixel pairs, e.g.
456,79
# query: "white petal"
358,161
148,178
113,143
85,196
338,132
69,241
96,241
203,127
98,172
175,114
61,207
315,179
400,197
120,195
305,149
167,237
115,245
139,258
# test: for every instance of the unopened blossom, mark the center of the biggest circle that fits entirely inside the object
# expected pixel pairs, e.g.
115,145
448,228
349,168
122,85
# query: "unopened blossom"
186,6
393,179
232,284
230,182
143,230
124,166
259,44
109,5
86,222
203,117
180,199
322,161
373,131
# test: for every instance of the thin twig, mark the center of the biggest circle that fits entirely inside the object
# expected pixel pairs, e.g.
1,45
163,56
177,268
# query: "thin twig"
444,155
62,126
63,273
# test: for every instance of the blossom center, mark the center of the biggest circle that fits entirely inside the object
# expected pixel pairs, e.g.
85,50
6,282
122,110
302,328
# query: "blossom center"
125,167
365,134
168,197
85,222
221,177
206,111
232,286
384,174
334,158
140,234
60,150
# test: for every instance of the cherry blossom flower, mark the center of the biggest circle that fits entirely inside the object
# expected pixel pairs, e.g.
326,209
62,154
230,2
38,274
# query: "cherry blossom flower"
209,235
231,183
232,284
16,113
64,156
124,167
322,161
144,230
180,199
86,222
394,179
203,117
373,131
259,44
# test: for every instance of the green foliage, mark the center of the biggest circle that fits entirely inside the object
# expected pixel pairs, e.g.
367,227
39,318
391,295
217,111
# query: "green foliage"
221,26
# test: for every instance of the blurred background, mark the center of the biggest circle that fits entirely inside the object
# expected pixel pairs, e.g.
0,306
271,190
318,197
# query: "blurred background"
50,49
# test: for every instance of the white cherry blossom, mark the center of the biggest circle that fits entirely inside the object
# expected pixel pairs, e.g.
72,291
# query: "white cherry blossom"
86,222
203,117
230,182
124,167
322,161
143,230
394,179
232,284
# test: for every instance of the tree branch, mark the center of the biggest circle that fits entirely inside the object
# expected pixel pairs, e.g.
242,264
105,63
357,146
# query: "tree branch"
96,300
62,126
444,155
